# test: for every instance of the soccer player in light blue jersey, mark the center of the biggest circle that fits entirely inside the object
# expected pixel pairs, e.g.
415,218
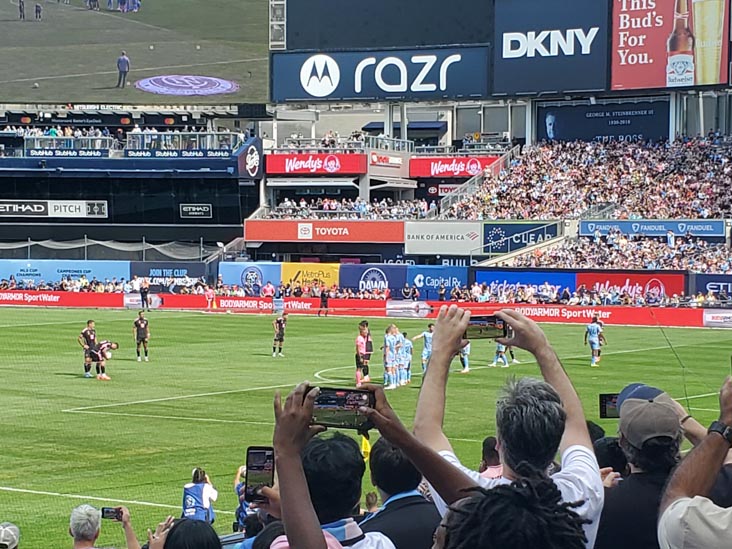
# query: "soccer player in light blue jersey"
407,349
465,359
595,337
427,351
401,361
390,358
500,357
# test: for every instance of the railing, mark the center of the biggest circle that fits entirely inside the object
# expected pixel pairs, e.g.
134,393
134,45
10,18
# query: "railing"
605,210
473,185
389,144
293,212
184,141
46,142
316,146
473,149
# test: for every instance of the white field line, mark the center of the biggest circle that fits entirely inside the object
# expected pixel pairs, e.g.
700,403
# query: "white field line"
96,498
183,418
82,322
181,397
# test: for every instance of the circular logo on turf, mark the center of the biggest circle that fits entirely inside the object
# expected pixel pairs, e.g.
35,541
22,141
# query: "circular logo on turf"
186,84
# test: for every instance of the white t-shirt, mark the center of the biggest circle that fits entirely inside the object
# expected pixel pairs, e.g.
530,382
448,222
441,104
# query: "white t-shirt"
579,480
695,523
209,494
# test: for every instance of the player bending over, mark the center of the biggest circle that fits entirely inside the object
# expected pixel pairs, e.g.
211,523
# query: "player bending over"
141,331
500,356
279,324
595,337
427,350
100,355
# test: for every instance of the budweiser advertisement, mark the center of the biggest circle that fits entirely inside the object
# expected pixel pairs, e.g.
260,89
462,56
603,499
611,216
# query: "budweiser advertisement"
316,164
449,166
669,43
380,232
635,283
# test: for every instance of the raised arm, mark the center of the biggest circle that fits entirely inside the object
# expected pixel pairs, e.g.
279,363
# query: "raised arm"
530,337
696,473
447,340
447,480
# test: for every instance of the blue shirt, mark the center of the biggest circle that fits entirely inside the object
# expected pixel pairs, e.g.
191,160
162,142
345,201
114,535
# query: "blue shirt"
193,503
123,63
593,331
390,342
427,341
408,347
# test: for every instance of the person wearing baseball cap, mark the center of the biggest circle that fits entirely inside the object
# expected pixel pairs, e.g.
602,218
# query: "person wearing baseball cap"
9,536
689,519
650,436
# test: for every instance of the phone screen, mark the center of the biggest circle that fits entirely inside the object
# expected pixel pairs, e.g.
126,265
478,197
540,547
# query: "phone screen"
111,513
339,408
486,327
609,406
260,471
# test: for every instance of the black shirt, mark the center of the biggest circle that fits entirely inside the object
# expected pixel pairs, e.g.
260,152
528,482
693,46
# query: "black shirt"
630,515
141,326
90,337
409,522
281,322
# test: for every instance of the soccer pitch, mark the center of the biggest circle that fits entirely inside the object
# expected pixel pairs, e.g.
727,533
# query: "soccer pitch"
207,394
71,54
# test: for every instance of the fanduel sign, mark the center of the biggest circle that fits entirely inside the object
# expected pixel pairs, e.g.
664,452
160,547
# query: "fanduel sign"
548,43
550,46
656,227
398,74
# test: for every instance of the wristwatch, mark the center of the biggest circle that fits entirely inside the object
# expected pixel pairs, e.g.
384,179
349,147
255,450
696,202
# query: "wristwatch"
720,428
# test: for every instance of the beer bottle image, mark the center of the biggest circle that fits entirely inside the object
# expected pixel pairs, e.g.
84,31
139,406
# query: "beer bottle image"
680,48
708,27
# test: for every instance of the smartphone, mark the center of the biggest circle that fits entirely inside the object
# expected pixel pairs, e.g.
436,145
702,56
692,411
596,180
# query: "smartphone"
260,472
339,408
486,327
111,513
609,406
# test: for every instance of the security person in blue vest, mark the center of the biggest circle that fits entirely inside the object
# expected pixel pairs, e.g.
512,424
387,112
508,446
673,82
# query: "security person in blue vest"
198,497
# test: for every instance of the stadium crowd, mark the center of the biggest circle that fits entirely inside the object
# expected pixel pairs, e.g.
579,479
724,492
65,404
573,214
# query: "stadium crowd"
550,479
620,251
351,209
687,179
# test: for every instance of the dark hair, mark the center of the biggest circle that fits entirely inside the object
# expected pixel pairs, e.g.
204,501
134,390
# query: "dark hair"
391,470
252,525
658,454
610,454
530,422
199,476
526,514
270,533
490,453
364,323
334,469
430,325
192,534
89,322
596,432
404,334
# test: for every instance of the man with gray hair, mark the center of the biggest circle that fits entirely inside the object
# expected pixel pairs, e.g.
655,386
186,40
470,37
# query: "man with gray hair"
534,419
85,526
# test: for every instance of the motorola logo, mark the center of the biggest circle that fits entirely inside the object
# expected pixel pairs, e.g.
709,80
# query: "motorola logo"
320,75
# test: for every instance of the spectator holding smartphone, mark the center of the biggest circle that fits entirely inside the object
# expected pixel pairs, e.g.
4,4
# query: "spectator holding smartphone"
198,497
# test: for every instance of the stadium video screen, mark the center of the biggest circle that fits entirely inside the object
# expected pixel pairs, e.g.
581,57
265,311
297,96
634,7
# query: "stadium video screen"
334,24
177,51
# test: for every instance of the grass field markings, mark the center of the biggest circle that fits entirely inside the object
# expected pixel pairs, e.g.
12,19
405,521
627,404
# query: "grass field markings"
97,498
153,416
716,410
81,323
148,69
179,397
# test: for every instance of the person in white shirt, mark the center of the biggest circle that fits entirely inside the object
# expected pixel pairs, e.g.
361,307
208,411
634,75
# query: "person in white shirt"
534,419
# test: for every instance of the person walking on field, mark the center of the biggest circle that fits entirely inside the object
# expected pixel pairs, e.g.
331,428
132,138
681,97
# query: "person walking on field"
123,67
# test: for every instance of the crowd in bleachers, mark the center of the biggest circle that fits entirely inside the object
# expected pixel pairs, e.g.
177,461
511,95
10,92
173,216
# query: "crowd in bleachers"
549,479
620,251
351,209
684,180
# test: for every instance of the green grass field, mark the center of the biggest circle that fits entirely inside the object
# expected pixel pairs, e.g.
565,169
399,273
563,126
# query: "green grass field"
72,53
207,394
